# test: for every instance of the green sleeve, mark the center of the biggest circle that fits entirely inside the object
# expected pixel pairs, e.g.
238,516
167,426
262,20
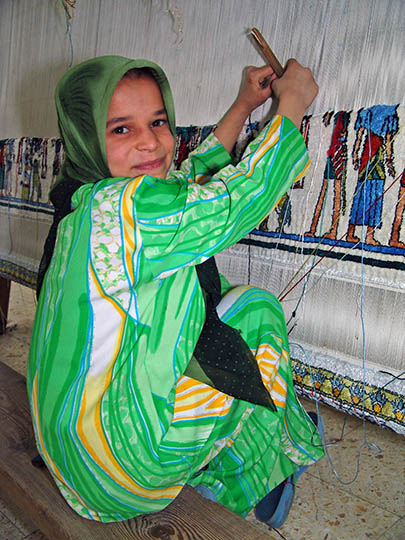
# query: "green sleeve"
203,162
182,224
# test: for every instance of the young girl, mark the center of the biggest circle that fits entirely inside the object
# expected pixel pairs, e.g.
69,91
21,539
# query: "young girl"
147,371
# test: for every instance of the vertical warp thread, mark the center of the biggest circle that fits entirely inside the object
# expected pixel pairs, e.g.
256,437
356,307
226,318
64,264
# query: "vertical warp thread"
177,19
68,7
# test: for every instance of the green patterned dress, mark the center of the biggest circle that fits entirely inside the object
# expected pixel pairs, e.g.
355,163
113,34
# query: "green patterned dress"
120,426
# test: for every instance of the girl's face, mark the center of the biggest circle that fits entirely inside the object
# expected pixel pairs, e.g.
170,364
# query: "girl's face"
138,136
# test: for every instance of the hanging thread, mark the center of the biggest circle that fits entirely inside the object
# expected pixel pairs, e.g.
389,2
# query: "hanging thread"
69,7
177,17
366,443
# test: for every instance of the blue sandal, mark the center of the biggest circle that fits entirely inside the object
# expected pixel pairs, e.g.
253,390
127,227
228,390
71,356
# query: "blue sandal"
273,509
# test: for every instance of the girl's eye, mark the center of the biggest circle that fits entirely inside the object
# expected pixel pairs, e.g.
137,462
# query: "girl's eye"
120,130
159,123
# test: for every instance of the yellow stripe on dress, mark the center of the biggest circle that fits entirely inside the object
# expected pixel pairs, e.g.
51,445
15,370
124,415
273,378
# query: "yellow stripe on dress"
268,360
197,400
89,428
271,138
129,226
278,392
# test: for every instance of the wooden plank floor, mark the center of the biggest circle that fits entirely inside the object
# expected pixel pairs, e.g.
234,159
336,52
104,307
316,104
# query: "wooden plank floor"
189,517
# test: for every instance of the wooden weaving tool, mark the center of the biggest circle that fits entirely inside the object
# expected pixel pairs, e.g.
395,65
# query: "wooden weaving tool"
267,52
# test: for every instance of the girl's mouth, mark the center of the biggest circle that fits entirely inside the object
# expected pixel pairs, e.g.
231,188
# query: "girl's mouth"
149,165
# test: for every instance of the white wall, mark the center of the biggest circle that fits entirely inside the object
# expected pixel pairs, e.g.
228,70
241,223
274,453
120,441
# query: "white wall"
355,47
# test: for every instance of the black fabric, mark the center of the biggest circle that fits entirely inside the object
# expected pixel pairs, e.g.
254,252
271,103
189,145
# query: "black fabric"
221,352
61,198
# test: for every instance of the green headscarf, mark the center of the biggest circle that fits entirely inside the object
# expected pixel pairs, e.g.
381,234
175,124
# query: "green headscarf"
83,96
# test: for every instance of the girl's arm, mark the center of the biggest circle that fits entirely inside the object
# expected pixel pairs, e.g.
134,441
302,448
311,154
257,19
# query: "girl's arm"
199,165
254,92
295,91
183,225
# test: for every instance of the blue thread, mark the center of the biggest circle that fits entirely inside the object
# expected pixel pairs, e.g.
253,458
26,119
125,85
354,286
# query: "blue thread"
314,253
371,446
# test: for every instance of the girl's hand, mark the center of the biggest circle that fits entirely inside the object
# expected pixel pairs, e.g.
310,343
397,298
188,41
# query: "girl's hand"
256,88
295,91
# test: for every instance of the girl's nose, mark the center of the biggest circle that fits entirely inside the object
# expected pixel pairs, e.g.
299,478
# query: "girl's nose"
146,140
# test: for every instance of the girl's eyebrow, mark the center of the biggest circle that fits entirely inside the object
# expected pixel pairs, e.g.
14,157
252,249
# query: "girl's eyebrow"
119,119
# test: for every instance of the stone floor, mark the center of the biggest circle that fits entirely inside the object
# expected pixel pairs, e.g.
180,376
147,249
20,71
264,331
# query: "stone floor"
357,499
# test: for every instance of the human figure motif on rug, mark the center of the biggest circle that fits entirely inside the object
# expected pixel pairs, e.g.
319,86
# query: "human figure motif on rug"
335,171
375,128
398,217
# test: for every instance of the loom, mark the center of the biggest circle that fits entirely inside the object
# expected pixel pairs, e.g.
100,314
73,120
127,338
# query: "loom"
334,247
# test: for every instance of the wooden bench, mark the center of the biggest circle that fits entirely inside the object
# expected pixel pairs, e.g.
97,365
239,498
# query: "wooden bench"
189,517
